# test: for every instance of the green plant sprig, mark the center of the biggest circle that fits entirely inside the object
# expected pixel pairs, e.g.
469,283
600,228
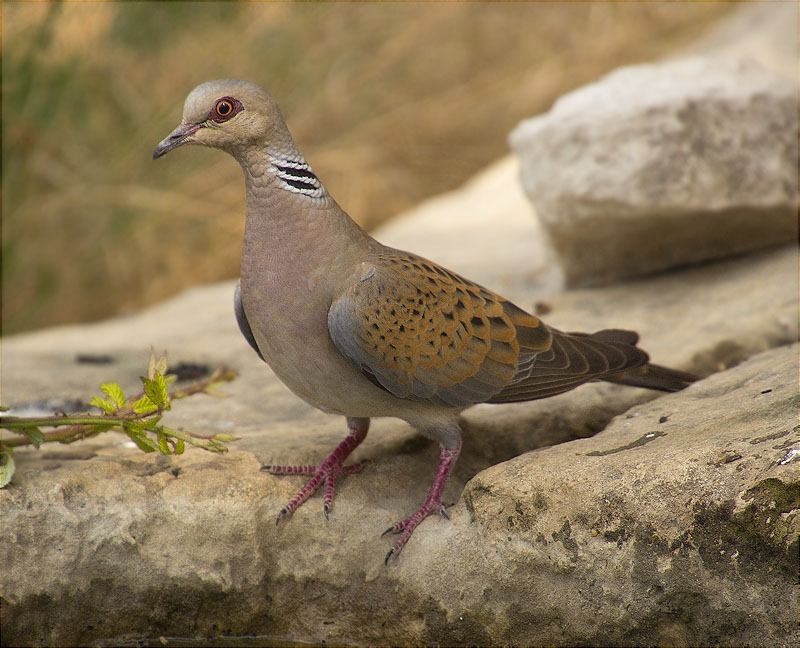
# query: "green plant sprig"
138,416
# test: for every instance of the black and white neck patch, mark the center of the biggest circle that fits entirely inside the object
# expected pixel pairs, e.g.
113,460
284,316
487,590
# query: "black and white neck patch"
296,176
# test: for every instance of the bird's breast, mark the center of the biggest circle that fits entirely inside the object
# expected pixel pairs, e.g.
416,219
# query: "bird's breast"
287,287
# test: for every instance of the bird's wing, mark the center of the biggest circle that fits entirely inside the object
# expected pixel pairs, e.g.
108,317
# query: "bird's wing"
424,333
571,360
241,320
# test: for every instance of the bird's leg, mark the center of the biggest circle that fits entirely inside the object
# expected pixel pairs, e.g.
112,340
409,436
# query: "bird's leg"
325,472
433,503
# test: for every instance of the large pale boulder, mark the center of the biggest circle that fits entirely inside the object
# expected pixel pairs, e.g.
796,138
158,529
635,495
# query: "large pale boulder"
661,165
486,230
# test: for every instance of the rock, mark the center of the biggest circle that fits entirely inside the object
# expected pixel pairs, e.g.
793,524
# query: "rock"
188,546
762,31
661,165
486,230
676,525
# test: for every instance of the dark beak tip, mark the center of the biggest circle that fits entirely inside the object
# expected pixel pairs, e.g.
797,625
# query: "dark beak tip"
160,150
176,138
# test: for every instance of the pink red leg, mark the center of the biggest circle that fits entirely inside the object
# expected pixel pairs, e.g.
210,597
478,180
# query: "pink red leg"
433,503
327,471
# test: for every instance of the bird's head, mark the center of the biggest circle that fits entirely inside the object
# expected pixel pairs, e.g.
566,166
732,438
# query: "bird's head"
228,114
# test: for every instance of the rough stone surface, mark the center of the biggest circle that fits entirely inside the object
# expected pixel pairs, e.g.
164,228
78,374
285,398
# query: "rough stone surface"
676,525
646,168
188,546
460,230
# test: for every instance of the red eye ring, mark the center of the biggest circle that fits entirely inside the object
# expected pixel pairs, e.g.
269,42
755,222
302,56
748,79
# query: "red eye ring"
224,108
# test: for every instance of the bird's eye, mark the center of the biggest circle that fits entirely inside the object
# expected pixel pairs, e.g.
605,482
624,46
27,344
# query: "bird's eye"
224,108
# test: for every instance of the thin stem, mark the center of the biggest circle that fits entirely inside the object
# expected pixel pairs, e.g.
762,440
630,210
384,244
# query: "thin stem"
220,375
73,433
15,423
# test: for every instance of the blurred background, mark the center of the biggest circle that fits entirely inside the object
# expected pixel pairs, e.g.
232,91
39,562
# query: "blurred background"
390,104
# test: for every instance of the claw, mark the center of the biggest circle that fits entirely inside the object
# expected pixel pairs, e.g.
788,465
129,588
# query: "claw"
432,504
284,512
391,529
326,472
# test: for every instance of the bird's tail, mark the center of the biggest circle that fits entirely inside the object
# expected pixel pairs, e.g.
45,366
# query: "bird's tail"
653,376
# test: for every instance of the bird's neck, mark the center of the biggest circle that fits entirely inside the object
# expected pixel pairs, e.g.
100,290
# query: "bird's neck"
285,170
294,232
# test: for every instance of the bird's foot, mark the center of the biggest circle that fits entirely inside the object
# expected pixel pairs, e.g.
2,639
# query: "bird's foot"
407,526
326,472
433,503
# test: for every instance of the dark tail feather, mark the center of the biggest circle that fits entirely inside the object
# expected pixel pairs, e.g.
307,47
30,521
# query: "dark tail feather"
652,376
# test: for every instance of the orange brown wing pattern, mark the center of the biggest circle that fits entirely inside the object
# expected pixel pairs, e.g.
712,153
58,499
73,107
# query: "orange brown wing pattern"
425,333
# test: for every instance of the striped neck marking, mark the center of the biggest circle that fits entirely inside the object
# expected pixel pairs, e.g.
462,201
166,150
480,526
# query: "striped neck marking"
296,176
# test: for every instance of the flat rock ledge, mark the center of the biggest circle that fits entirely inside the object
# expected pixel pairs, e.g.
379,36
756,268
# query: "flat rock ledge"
676,523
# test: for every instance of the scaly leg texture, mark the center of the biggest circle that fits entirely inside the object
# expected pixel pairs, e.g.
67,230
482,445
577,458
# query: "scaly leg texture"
433,503
327,471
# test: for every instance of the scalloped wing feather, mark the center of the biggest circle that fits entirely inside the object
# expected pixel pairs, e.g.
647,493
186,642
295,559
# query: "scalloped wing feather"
425,333
573,359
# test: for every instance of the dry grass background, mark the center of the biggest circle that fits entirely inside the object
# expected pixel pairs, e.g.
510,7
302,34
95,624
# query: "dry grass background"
390,103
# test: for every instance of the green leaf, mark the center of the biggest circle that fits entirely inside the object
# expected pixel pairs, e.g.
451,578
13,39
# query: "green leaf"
224,438
156,365
151,390
156,390
114,392
144,405
163,390
107,406
179,447
162,443
145,443
34,434
139,437
7,466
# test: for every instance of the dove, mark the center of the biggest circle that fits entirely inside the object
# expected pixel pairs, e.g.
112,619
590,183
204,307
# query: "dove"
362,330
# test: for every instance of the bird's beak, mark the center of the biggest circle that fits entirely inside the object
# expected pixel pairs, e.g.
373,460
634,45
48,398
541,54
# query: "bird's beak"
177,137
